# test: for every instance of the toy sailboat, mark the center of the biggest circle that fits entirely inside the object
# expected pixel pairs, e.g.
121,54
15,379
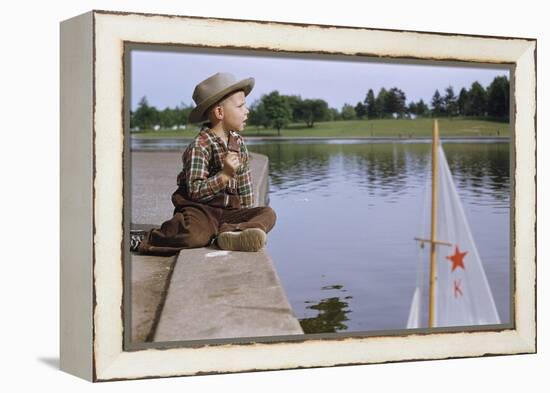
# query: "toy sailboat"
458,291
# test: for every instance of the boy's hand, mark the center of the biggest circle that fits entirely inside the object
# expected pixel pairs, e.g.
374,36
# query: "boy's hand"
231,164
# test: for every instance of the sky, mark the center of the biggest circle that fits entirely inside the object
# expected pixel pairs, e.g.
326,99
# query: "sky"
168,78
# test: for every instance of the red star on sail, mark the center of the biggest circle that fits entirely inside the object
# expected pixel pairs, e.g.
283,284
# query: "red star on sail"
457,259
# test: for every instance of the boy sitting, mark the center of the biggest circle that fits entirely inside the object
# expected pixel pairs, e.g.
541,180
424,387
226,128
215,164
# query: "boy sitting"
214,200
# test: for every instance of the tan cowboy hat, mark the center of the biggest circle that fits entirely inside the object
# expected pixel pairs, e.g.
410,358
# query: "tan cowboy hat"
213,89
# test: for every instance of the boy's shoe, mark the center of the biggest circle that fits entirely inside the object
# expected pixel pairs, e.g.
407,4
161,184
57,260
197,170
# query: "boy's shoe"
136,237
251,239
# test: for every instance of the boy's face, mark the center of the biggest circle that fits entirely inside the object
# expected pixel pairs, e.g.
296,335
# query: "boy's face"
235,112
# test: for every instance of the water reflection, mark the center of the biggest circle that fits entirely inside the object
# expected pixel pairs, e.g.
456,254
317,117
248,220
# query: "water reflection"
331,314
484,171
385,169
348,213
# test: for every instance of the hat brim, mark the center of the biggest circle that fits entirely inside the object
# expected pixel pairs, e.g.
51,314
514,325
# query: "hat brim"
197,115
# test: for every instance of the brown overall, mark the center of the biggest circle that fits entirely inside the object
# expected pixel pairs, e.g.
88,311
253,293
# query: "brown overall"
197,224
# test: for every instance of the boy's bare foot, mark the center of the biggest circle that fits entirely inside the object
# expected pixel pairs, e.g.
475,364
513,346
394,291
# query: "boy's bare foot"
251,239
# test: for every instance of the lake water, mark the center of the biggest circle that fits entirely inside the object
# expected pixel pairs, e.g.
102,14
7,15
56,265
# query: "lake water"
347,214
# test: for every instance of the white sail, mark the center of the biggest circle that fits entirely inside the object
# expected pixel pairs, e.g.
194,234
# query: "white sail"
463,296
414,320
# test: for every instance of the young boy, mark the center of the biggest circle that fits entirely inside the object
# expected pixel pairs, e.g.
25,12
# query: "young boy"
214,200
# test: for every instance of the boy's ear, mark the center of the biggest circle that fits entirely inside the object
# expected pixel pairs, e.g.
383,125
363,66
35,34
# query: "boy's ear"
218,112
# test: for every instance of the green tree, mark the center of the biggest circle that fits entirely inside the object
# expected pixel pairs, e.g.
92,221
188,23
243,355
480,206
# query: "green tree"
372,109
145,116
381,99
498,97
422,109
450,102
360,110
462,101
395,102
401,101
477,103
257,115
348,112
296,107
277,110
437,104
299,111
313,111
168,118
334,114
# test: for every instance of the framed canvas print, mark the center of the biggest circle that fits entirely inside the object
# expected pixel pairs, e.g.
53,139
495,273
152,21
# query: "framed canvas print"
250,195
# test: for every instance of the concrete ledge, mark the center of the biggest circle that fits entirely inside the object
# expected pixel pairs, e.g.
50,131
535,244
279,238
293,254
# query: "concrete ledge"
150,280
225,294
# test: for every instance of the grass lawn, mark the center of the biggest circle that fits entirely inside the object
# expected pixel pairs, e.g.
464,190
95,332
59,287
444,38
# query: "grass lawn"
364,128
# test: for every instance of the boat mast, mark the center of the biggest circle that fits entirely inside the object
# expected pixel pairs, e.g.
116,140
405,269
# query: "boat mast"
433,240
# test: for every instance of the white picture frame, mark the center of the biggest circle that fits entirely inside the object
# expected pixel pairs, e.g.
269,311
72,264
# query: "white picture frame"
92,159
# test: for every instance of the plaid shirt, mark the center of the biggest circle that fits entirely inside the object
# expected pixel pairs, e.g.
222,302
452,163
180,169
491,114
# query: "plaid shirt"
202,169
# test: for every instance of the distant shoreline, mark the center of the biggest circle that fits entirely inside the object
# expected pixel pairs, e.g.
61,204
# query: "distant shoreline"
373,130
334,138
177,144
373,138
